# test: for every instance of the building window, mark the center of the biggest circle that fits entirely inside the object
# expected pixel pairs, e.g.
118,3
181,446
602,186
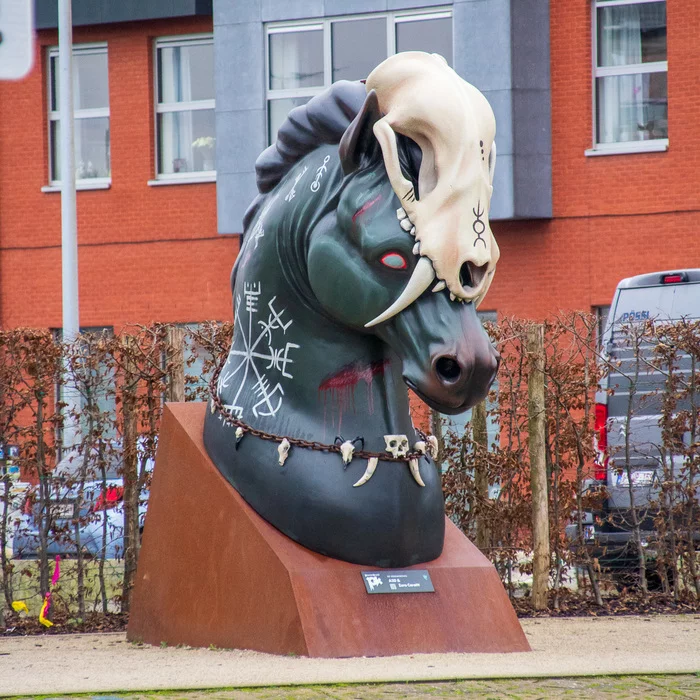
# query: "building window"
90,111
185,132
304,58
630,69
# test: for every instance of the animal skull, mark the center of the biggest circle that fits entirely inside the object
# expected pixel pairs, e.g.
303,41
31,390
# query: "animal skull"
433,446
397,445
453,124
283,451
346,450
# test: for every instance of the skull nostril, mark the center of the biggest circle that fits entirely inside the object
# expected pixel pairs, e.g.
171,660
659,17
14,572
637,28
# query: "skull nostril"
465,275
471,276
448,369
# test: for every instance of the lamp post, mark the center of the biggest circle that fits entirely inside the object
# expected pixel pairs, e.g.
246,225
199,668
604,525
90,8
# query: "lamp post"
69,228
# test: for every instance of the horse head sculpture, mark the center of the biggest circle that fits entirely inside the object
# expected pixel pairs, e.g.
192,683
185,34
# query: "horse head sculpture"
365,255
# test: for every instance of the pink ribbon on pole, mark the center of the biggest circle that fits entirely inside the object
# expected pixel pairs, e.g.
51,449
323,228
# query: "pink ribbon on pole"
47,599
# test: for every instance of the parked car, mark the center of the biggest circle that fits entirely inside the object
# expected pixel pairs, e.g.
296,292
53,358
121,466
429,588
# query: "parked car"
98,517
635,458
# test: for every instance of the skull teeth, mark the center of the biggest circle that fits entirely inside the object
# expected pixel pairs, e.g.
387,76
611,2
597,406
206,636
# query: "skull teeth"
452,296
401,213
406,224
413,231
416,248
439,286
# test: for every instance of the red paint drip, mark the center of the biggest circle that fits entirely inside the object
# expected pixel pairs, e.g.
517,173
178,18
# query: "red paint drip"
341,386
365,207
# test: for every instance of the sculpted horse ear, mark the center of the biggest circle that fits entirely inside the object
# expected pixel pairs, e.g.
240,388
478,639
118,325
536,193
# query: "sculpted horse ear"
358,146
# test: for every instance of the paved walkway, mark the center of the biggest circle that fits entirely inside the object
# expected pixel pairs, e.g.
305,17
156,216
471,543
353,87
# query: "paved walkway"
62,665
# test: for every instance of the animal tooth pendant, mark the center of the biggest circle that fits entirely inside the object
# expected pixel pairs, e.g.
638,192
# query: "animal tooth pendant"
371,466
346,450
413,466
433,446
283,451
421,447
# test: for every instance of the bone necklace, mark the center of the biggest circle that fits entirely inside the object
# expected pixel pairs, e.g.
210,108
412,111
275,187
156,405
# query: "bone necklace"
396,445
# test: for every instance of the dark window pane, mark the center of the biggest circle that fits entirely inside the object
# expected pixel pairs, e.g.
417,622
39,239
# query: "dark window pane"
296,59
186,73
358,47
632,107
431,35
631,34
277,111
53,70
186,141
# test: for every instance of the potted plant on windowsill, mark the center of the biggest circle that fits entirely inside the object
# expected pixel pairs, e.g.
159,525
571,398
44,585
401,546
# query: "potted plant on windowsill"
205,146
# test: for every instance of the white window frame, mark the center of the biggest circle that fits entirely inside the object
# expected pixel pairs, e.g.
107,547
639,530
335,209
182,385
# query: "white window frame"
166,107
324,24
621,147
91,183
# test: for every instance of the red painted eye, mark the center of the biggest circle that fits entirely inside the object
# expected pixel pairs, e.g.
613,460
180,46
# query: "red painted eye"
395,261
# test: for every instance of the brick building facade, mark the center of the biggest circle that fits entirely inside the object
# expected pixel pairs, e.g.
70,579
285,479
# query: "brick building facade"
152,250
146,252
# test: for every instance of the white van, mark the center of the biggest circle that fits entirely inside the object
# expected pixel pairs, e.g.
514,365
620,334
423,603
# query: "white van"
662,296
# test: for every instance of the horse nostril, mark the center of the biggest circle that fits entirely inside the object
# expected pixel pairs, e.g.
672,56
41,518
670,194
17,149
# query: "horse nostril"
448,369
465,275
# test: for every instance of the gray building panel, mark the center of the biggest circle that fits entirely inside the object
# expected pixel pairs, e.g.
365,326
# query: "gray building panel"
280,10
239,65
237,11
414,4
235,191
530,42
532,186
245,130
88,12
501,46
502,201
501,102
334,8
481,43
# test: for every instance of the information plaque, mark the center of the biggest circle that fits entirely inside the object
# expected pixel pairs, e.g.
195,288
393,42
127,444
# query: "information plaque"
411,581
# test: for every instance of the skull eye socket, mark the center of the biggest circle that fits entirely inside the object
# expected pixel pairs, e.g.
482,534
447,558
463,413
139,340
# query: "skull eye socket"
392,443
394,260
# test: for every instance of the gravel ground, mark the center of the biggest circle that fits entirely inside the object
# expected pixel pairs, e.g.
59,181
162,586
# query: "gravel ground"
562,648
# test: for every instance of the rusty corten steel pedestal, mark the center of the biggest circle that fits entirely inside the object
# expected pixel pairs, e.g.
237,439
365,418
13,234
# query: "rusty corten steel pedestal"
213,572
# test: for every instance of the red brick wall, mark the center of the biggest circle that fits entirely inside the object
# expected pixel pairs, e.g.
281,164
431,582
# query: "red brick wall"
617,215
152,253
145,253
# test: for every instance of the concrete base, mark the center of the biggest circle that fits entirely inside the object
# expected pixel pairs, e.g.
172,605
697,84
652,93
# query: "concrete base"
213,572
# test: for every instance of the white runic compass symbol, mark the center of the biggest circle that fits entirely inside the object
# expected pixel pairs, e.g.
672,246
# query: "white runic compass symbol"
252,361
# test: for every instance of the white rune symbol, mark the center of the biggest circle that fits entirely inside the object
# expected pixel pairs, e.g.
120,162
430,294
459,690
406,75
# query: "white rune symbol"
292,193
259,228
252,360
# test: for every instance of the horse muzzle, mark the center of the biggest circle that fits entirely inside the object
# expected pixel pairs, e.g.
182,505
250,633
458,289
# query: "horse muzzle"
448,360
